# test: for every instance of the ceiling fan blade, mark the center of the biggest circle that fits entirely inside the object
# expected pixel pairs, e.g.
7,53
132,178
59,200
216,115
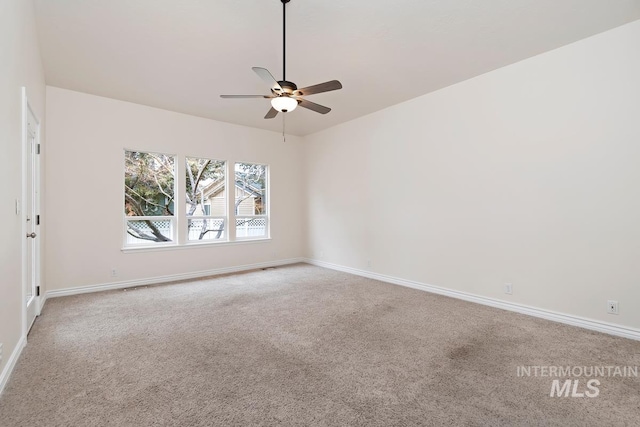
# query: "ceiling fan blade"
245,96
268,78
322,87
313,106
271,113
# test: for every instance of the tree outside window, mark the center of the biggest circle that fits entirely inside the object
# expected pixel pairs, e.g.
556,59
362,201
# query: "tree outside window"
205,183
149,197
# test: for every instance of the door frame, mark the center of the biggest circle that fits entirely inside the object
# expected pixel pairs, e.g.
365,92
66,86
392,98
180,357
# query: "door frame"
36,180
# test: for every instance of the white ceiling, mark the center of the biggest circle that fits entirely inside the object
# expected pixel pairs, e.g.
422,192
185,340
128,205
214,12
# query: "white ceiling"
181,55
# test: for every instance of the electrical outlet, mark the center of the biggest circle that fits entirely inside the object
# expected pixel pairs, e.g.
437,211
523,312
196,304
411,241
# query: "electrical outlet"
114,272
612,307
508,288
368,263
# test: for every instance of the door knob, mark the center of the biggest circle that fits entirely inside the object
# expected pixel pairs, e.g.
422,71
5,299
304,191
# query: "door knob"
32,235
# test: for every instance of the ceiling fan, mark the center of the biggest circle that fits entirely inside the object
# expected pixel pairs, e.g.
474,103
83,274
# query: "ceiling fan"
285,95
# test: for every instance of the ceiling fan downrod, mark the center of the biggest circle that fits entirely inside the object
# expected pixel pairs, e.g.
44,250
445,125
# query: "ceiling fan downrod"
284,39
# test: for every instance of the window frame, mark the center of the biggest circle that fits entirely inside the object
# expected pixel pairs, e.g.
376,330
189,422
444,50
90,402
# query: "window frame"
225,218
266,215
173,219
180,219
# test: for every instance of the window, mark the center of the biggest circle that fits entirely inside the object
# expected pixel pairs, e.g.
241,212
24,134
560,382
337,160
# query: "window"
215,203
149,198
251,200
206,199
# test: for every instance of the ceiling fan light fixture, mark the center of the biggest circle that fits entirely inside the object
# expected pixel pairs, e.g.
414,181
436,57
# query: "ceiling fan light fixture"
284,104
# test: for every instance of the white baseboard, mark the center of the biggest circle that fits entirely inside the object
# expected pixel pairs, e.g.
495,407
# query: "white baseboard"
41,301
169,278
11,363
594,325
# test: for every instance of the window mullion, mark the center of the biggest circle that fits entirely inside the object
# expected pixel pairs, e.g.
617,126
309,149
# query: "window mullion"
180,192
231,200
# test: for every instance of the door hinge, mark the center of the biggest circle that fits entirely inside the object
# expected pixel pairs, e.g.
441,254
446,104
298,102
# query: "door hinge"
37,291
38,149
37,219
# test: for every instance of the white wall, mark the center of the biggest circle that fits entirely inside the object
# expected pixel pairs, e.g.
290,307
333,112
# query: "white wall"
86,138
529,174
19,66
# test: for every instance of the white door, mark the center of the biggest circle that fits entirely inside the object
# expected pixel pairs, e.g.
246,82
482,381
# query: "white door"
31,218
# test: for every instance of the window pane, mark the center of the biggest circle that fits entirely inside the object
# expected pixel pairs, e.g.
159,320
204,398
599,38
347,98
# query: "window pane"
148,198
148,184
206,199
149,231
251,189
251,227
206,229
205,187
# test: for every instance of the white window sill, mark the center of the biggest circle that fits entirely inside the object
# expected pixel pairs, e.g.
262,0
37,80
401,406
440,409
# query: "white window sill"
193,245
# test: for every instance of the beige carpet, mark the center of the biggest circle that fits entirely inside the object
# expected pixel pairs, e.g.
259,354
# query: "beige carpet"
302,345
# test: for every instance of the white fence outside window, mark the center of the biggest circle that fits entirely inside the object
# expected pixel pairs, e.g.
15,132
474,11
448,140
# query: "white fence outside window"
149,230
251,226
206,229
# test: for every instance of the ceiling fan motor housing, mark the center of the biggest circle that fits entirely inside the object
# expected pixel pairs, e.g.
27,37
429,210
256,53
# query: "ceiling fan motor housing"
288,87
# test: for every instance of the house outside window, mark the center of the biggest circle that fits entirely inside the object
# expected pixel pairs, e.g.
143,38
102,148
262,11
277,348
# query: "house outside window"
251,204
